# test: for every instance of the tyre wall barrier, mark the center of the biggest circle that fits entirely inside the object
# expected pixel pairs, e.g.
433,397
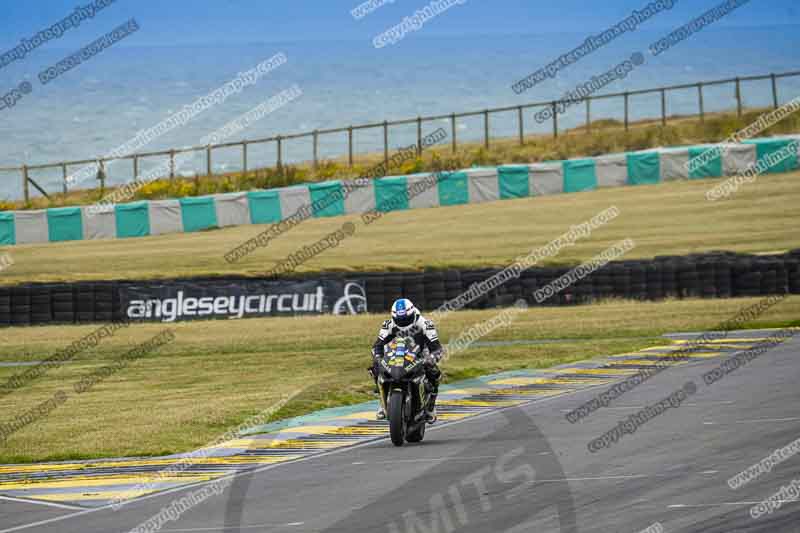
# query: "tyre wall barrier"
708,275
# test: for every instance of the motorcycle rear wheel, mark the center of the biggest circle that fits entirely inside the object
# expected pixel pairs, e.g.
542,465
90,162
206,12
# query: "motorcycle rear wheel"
397,423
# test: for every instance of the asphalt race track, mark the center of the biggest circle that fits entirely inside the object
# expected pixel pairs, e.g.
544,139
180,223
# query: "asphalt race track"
518,469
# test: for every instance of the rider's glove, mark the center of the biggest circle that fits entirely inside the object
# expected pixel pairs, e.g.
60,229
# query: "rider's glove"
434,357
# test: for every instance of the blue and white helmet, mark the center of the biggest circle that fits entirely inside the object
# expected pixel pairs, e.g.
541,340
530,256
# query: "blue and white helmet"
404,313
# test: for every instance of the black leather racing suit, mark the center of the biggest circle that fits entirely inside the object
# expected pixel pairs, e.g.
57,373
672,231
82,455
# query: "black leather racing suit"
423,331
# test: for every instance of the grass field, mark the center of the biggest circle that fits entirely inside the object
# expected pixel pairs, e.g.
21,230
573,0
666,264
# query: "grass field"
663,219
215,374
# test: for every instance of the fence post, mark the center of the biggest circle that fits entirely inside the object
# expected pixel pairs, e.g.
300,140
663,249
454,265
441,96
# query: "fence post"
453,129
316,149
25,187
555,120
172,164
244,157
101,174
208,160
64,176
663,108
738,98
280,151
774,91
700,100
386,144
419,136
520,119
588,115
486,128
350,145
627,110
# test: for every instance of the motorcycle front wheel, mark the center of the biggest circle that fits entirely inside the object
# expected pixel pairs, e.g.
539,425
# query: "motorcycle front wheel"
397,422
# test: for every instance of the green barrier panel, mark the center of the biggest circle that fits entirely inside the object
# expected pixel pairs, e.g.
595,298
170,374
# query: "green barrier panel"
8,232
771,155
64,224
453,188
198,214
327,199
644,168
711,169
133,220
391,194
513,182
579,175
265,207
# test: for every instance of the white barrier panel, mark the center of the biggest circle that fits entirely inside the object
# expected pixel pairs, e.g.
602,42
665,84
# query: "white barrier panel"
360,198
546,178
423,196
232,209
737,158
673,163
612,170
99,225
293,198
165,217
31,226
483,185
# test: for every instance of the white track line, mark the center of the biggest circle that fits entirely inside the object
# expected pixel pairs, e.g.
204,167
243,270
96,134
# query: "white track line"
767,420
43,502
694,505
256,526
429,460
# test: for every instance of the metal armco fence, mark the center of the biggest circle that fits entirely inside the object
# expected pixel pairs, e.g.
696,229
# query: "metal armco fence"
315,135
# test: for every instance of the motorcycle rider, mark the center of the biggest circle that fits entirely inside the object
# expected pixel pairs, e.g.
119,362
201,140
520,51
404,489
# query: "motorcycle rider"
407,321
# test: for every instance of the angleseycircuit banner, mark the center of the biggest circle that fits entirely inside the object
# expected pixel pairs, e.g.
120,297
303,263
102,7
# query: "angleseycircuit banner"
181,300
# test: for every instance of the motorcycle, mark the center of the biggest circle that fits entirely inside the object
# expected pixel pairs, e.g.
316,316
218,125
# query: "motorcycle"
404,391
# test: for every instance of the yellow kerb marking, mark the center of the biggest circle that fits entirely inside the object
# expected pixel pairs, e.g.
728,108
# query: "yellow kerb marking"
100,481
104,495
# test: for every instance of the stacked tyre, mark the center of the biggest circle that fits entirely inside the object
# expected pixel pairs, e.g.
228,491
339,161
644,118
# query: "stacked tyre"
793,274
63,302
688,279
583,291
20,306
435,290
722,278
5,306
746,279
603,283
375,291
84,303
620,280
529,283
705,277
103,301
41,305
414,289
513,289
393,288
654,288
469,279
669,276
453,286
637,274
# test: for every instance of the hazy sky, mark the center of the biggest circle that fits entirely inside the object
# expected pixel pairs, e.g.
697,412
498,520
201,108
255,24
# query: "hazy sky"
176,22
